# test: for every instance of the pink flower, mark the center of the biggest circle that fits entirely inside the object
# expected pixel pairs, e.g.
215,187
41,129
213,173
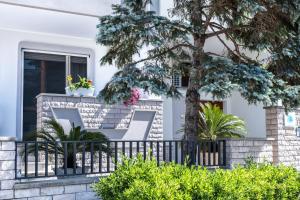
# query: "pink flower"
134,99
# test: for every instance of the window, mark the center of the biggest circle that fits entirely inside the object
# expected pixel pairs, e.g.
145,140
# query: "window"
46,73
182,80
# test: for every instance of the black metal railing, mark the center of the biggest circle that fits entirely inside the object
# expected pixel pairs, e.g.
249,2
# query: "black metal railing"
68,158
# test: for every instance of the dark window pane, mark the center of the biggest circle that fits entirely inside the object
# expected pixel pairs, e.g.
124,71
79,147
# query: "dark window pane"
78,67
42,73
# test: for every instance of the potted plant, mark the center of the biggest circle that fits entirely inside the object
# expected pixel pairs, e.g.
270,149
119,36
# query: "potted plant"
54,135
83,87
70,89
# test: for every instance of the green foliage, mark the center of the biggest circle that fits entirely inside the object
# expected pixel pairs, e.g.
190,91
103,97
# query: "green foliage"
214,123
250,25
137,179
82,83
151,79
53,133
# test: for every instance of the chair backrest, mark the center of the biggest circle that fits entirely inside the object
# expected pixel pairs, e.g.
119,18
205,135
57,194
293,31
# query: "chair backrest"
66,117
140,125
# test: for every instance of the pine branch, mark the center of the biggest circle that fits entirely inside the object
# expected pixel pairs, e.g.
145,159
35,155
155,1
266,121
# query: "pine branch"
225,30
162,53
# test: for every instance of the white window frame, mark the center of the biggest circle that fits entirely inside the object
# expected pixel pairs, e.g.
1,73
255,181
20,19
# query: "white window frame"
67,51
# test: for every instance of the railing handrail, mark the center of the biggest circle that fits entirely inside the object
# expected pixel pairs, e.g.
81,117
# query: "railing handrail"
103,154
97,141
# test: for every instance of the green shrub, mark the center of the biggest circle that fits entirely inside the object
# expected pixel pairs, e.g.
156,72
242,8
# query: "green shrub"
137,179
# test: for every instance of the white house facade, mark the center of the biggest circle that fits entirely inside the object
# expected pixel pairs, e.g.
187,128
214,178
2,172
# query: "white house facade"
63,32
41,43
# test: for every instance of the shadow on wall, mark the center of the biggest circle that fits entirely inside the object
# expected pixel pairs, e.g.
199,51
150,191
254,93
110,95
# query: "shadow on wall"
119,122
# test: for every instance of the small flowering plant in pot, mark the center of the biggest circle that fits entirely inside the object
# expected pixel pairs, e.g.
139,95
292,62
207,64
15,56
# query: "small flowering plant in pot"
82,88
71,88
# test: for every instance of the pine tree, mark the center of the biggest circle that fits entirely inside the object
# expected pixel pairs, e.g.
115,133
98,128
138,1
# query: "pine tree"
242,26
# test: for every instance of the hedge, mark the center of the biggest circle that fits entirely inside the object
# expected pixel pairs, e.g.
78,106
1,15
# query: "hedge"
137,179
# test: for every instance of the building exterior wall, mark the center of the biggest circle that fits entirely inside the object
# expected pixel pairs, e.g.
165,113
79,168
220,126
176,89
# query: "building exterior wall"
281,146
96,114
19,24
241,150
287,144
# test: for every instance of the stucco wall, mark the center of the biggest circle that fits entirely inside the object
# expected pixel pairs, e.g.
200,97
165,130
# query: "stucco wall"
19,24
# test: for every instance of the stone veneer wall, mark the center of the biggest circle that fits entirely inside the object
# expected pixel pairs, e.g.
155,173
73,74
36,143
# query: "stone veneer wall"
280,146
96,114
61,189
238,150
286,148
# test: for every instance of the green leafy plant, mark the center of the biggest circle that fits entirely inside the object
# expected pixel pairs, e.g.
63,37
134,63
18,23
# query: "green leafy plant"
167,42
214,123
70,83
136,179
82,83
54,134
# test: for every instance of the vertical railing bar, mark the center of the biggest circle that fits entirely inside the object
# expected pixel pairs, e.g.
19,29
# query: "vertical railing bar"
164,151
36,160
193,155
204,153
26,160
130,149
151,149
16,160
224,153
199,153
116,154
209,153
65,158
170,151
92,157
145,153
137,147
188,149
74,157
214,152
157,152
83,158
182,152
176,151
123,148
55,158
107,157
46,159
100,157
219,152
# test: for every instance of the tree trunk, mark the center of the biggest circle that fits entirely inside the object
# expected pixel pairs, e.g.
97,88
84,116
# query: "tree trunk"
196,72
191,113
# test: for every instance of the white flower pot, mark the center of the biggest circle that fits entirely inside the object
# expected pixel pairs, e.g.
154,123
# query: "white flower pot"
69,91
86,92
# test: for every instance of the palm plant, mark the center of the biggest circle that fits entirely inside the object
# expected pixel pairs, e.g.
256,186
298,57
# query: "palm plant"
214,123
53,138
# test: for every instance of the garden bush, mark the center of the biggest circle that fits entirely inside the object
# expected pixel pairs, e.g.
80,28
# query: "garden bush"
143,180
